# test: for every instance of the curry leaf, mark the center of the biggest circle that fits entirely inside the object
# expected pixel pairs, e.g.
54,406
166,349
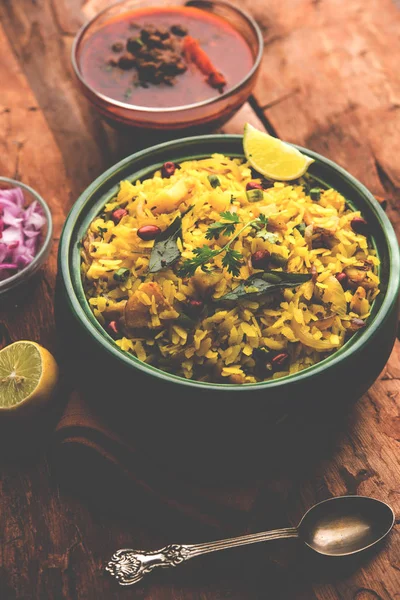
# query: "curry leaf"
165,250
261,284
185,321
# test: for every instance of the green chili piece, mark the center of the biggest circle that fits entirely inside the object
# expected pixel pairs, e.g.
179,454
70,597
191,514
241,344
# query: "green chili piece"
315,194
214,181
301,227
278,259
121,275
254,195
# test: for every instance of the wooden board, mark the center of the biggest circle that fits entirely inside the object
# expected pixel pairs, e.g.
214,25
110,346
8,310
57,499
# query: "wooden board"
330,81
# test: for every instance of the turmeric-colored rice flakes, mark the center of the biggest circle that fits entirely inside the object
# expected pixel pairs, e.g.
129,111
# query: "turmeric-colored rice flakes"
217,275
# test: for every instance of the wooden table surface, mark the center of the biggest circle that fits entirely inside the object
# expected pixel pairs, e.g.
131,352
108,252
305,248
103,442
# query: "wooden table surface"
330,81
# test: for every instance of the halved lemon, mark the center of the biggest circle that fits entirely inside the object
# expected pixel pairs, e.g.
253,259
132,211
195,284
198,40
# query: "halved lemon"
273,158
28,376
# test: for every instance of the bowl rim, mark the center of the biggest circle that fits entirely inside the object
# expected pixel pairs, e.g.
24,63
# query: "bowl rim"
171,109
29,269
100,337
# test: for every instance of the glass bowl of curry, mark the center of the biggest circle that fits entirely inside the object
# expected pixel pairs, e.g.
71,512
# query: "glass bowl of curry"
153,65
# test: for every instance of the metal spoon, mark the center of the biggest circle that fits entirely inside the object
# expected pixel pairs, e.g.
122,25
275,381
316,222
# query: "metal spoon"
336,527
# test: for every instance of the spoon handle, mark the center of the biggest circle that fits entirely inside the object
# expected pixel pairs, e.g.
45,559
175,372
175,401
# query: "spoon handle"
130,566
243,540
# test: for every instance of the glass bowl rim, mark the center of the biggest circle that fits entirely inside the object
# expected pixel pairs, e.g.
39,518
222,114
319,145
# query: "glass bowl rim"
171,109
109,347
10,282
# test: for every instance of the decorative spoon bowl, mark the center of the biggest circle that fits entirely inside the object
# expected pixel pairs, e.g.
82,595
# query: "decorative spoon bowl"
339,526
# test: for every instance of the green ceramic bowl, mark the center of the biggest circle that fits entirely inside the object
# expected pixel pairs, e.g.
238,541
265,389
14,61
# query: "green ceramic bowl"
173,406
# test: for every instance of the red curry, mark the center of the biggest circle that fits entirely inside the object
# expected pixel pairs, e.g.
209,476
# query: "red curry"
163,57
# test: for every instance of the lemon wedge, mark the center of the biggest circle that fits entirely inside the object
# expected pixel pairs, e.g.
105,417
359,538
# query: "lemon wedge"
271,157
28,376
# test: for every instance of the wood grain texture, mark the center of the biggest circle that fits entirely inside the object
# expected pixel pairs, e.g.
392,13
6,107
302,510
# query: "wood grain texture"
330,81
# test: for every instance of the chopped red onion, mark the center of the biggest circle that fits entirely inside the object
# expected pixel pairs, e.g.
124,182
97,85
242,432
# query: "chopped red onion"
10,219
12,197
23,261
11,235
31,234
34,217
20,230
3,252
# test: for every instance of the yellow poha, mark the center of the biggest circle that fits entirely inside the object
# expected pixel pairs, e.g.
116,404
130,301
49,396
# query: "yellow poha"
169,302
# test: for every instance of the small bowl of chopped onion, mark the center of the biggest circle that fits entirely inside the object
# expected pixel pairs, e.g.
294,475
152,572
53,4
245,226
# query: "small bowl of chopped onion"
25,233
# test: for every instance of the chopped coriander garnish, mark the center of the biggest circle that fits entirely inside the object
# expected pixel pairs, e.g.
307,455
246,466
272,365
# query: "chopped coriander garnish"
201,256
261,224
102,231
223,228
232,259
